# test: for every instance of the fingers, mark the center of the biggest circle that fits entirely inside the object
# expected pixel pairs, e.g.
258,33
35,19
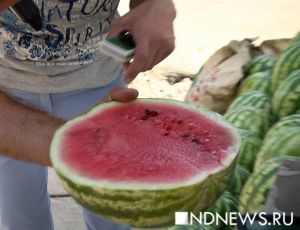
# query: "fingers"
133,70
119,26
120,94
144,62
152,28
141,61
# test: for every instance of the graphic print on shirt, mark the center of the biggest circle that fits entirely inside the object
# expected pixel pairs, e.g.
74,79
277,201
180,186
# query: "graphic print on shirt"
72,32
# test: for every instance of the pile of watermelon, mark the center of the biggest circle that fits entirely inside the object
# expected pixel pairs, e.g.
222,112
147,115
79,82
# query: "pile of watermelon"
267,112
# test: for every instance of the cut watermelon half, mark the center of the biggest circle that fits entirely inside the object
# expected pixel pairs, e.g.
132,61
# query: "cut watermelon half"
137,163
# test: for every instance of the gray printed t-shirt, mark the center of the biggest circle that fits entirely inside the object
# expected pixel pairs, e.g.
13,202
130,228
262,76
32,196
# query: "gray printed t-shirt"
65,55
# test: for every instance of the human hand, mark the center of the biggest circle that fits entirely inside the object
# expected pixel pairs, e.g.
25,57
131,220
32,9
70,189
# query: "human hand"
120,94
151,25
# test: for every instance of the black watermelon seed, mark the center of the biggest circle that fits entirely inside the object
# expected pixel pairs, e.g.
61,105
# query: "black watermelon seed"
151,112
179,122
196,140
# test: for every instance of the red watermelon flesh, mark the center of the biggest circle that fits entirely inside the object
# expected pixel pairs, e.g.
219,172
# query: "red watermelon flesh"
145,142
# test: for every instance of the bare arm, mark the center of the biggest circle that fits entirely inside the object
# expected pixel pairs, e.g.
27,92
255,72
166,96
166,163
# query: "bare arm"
25,133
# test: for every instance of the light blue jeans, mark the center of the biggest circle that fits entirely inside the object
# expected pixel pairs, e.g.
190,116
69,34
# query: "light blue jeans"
24,199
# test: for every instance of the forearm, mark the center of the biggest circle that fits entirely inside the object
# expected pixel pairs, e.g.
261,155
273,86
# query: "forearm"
25,133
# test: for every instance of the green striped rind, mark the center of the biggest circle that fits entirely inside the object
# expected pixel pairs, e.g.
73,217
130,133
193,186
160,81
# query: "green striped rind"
217,184
238,180
287,62
286,99
255,191
260,81
259,64
285,141
253,99
146,205
148,209
145,209
251,119
250,146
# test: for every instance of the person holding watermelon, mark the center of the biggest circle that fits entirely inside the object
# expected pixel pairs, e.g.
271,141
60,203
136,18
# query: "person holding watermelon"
54,74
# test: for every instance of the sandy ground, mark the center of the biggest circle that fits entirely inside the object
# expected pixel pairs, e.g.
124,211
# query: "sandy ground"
203,26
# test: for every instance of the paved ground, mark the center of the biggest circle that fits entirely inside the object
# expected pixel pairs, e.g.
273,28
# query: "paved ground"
201,27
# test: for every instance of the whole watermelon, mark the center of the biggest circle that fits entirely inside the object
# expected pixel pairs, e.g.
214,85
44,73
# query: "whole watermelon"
288,62
254,193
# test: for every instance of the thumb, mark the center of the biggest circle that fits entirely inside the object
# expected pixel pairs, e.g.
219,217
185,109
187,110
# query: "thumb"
120,94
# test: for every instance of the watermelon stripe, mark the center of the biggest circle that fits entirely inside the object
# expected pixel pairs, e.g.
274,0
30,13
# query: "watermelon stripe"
256,188
127,196
260,81
252,99
286,99
162,216
131,205
155,215
259,63
250,145
238,180
292,83
252,119
143,216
